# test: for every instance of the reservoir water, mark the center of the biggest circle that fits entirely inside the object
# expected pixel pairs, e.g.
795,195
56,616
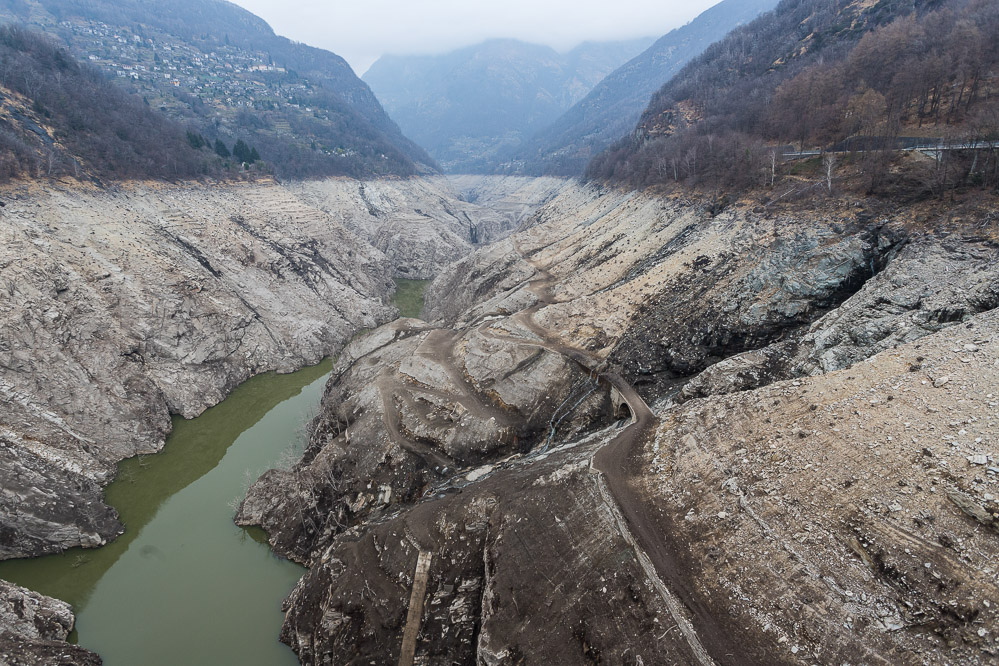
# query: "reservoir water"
184,585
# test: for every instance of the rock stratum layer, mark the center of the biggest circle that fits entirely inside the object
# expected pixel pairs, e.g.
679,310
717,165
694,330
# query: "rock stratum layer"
123,306
664,430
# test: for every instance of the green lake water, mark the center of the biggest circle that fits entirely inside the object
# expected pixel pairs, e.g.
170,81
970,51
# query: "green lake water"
409,296
184,585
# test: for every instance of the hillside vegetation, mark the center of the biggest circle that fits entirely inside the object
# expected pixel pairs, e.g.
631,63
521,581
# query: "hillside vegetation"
853,79
222,72
62,118
614,106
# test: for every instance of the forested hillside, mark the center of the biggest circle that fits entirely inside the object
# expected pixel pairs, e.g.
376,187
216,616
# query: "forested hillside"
614,106
224,73
855,81
62,118
472,106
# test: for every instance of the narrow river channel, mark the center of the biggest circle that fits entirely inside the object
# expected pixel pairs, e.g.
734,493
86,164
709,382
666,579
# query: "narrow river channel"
184,585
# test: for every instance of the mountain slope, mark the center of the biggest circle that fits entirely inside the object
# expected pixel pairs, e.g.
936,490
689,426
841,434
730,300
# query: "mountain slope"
223,71
60,118
613,107
839,510
466,106
859,79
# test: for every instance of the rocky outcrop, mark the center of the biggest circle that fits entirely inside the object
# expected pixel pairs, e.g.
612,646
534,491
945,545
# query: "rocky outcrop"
927,286
514,197
123,306
408,406
423,225
528,564
848,516
34,628
751,528
483,283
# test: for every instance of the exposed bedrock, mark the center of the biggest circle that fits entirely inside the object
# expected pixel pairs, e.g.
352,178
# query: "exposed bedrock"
34,628
407,407
801,522
528,566
741,300
853,515
123,306
422,225
928,285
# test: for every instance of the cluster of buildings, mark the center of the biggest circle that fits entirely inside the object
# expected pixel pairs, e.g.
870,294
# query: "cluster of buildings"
227,77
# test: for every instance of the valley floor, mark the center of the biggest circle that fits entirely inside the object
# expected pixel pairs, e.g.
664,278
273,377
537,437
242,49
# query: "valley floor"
638,430
804,474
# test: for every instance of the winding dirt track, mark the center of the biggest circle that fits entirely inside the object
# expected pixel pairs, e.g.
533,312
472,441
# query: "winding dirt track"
618,464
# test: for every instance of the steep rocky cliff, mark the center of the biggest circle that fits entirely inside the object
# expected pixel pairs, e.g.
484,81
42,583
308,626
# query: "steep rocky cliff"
123,306
838,508
422,225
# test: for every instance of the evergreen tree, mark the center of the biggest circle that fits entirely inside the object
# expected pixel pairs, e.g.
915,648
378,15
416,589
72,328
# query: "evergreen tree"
241,151
221,150
196,140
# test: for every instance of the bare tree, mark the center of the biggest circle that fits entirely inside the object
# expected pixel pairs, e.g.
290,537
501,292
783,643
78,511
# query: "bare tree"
829,166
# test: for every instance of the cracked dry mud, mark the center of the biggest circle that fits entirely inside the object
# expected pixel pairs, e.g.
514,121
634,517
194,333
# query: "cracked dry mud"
771,502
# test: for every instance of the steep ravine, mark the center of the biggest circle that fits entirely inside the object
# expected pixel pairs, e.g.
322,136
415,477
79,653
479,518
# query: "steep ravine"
567,520
127,304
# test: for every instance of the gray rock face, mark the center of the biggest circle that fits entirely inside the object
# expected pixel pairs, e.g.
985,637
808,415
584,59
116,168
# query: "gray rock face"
480,284
745,300
123,306
45,503
33,630
528,563
408,406
566,551
423,225
927,286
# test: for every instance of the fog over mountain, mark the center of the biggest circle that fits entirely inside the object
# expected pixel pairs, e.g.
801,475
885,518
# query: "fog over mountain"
614,105
362,32
468,106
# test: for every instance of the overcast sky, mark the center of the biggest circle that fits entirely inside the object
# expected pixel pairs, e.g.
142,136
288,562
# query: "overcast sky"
363,30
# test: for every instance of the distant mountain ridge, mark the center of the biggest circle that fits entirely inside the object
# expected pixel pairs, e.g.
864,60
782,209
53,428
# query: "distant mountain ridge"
614,106
863,78
468,106
217,67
